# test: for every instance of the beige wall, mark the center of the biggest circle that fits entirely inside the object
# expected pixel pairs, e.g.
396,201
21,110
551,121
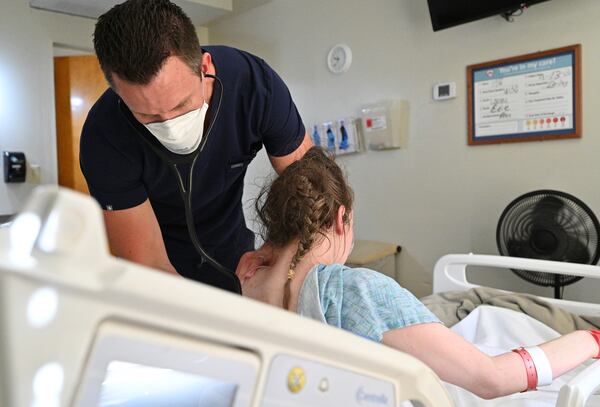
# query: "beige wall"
437,196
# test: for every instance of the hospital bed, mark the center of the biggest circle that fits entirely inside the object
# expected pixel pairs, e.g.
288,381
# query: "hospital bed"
79,327
450,274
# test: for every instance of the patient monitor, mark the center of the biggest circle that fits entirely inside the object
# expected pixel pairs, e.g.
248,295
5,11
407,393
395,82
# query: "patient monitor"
79,327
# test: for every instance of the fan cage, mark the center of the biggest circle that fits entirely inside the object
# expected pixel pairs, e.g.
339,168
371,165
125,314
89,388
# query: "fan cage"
573,229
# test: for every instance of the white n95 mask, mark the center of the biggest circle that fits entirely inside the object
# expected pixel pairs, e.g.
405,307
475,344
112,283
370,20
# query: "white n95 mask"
182,134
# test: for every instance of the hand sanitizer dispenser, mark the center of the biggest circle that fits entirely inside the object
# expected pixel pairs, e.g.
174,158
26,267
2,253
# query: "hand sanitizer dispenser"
385,124
15,167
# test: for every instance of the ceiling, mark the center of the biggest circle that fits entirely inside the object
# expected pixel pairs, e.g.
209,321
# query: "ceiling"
201,12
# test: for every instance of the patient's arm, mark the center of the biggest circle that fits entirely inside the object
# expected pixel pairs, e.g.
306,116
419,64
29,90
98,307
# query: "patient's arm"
458,362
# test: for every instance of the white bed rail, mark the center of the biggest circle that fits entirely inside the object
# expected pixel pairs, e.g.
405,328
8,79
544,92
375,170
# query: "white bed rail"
578,390
449,274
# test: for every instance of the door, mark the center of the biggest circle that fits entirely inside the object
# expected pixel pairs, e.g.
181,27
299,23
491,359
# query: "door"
78,83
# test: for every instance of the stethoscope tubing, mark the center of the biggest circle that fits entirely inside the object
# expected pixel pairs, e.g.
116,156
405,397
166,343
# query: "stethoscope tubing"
186,193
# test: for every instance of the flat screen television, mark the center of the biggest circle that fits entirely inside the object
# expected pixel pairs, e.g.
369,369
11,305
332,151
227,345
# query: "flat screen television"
448,13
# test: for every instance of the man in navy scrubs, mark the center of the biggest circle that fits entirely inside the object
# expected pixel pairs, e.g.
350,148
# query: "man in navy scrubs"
149,53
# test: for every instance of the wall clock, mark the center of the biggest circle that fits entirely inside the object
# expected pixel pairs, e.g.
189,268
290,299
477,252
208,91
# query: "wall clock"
339,58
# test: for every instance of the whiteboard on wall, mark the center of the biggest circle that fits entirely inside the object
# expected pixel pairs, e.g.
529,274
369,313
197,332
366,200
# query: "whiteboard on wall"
529,97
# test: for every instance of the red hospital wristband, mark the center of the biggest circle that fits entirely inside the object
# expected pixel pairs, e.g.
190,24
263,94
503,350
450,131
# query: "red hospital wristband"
596,335
532,379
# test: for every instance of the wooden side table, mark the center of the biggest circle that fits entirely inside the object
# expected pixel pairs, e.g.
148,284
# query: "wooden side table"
379,256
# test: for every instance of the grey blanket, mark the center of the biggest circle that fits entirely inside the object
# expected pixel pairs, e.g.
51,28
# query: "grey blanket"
453,306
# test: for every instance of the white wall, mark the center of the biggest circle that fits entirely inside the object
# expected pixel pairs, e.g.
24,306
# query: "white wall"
437,196
27,88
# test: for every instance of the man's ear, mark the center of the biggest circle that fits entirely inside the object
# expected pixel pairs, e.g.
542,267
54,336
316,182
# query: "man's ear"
340,225
205,62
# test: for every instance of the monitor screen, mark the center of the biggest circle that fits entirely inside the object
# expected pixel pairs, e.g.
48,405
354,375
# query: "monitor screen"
448,13
134,385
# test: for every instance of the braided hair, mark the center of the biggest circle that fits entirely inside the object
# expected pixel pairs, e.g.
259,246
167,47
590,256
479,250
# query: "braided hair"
302,203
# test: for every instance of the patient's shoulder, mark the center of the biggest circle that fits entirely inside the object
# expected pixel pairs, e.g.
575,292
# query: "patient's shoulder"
365,276
367,302
341,277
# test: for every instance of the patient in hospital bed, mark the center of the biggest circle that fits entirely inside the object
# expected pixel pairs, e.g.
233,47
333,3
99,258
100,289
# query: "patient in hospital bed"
308,230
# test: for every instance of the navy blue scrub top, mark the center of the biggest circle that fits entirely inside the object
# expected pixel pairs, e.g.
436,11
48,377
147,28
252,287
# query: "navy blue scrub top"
122,171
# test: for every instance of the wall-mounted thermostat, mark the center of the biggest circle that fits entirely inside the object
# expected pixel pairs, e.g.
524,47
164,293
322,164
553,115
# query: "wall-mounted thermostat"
443,91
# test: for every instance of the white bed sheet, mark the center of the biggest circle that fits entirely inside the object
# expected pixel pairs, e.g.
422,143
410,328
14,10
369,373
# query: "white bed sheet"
497,330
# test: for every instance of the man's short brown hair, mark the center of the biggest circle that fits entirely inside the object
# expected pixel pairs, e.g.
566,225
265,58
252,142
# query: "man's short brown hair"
134,38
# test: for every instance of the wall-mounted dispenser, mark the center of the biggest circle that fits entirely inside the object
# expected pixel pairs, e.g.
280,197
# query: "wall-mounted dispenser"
339,137
15,166
385,124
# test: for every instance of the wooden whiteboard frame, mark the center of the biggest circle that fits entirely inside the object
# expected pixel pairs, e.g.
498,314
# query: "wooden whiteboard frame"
574,50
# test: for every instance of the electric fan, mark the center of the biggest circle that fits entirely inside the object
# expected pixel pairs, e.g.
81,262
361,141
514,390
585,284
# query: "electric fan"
549,225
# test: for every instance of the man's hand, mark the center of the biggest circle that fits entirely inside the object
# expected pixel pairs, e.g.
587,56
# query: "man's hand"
252,261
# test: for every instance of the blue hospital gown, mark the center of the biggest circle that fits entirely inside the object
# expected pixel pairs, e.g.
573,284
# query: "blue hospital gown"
360,300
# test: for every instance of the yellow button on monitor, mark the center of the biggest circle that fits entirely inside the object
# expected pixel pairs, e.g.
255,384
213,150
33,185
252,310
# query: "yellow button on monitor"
296,380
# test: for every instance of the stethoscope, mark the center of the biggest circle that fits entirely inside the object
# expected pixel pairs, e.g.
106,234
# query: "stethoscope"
173,160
